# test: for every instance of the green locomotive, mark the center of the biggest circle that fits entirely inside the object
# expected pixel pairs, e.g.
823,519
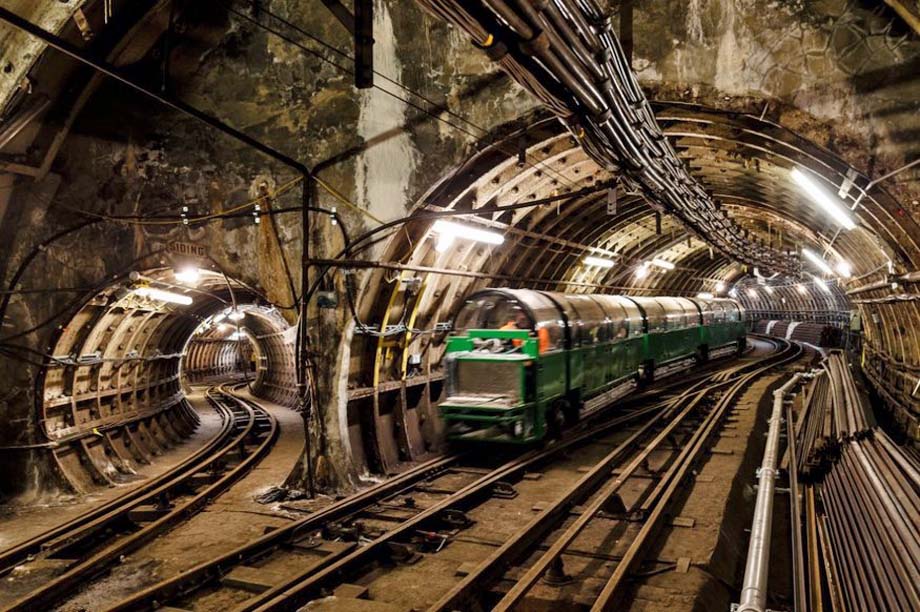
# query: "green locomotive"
522,363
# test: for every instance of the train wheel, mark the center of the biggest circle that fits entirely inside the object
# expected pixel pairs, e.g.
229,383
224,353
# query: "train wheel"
555,419
702,354
647,373
571,410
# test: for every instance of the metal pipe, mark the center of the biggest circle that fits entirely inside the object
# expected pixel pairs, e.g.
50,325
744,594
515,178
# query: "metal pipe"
754,589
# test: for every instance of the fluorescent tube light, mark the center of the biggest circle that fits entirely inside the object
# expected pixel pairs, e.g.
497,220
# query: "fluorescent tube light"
831,205
600,262
816,259
163,296
665,265
821,283
448,231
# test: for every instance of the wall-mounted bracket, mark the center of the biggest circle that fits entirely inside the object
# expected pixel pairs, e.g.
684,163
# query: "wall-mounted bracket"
361,26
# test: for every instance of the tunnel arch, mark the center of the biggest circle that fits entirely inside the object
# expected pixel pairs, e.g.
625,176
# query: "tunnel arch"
113,389
742,160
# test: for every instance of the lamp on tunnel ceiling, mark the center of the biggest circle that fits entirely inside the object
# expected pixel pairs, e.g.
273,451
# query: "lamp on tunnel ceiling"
236,315
720,287
820,283
802,289
705,295
844,269
163,296
598,262
663,264
817,260
189,275
448,231
642,270
831,205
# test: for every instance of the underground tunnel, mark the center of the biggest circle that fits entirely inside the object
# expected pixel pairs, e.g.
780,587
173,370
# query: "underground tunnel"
381,306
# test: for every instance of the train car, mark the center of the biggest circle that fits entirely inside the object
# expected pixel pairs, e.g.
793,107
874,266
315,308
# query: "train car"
520,364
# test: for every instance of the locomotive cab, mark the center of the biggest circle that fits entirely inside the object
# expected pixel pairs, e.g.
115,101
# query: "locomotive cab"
500,347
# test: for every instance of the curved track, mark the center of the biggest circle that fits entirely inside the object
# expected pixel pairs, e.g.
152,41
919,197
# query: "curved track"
394,525
88,545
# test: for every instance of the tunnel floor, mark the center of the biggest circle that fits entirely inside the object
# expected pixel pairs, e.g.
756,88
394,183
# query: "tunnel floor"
691,563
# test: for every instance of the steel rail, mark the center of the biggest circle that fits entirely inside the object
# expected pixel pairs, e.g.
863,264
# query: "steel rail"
464,594
460,596
633,555
298,590
80,527
99,561
211,571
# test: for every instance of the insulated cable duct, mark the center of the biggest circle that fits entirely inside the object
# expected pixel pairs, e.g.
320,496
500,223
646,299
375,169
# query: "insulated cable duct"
565,53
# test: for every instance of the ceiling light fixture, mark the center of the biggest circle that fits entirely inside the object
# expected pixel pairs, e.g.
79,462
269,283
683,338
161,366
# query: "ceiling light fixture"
844,269
802,289
163,296
720,287
752,292
831,205
448,231
815,259
704,295
661,263
600,262
236,315
188,274
820,282
642,271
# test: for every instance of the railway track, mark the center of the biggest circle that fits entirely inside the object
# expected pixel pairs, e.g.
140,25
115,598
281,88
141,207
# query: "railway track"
85,547
403,524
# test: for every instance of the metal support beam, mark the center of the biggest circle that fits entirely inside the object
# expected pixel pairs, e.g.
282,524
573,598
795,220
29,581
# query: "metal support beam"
361,26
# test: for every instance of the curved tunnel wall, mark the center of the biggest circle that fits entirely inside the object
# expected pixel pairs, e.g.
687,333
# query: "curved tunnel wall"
113,396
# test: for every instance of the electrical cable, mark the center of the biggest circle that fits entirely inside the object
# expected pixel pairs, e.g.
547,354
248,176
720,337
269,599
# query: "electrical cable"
437,117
